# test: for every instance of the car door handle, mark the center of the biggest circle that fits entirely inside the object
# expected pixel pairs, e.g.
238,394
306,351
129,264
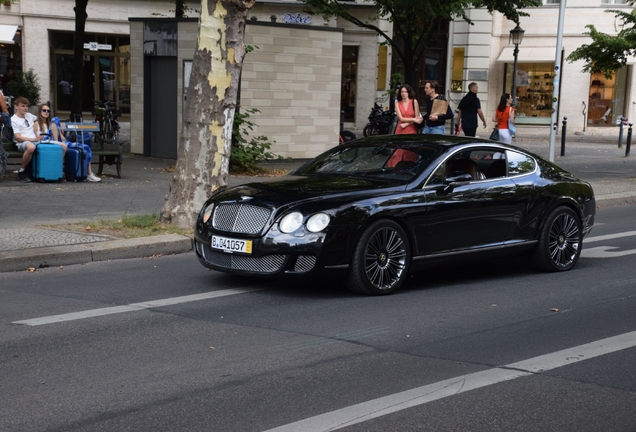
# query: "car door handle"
508,192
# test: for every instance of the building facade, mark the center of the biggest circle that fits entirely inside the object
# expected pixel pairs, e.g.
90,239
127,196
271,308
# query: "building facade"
38,35
482,53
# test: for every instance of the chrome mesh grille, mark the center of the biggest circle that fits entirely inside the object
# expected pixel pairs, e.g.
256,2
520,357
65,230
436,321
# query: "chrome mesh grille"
240,218
304,263
264,264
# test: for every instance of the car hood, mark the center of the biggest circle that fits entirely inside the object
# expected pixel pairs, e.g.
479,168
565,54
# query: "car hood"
297,189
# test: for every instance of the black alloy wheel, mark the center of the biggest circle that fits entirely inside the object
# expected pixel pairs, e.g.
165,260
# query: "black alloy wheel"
560,241
381,259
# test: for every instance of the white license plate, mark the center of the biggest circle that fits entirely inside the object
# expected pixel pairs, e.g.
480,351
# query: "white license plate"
232,245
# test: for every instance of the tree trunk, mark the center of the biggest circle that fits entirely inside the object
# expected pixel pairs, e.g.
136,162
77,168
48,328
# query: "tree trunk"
179,9
204,150
78,60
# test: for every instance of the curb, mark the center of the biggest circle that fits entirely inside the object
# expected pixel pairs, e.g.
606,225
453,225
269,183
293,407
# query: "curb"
20,260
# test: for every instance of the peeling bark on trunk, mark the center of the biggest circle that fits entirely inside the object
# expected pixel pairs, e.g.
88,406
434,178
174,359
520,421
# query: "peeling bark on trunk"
203,156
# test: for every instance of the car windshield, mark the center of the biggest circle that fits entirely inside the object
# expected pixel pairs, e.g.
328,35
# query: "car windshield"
399,162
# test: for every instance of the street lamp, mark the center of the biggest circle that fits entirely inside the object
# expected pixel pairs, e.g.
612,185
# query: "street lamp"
516,36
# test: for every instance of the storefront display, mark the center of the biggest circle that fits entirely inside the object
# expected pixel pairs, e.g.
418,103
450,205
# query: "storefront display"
535,85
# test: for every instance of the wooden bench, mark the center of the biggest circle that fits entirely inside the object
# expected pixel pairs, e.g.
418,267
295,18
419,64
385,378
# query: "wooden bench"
105,151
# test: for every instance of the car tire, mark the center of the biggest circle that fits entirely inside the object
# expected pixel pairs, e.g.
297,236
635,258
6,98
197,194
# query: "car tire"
560,241
381,259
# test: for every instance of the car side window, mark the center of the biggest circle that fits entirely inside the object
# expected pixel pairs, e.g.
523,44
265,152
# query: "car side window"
519,163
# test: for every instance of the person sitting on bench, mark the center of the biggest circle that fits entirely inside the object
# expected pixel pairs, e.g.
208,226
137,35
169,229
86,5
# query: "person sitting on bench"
24,134
42,127
58,135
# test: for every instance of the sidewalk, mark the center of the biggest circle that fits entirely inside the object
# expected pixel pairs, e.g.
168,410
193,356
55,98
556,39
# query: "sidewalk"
26,208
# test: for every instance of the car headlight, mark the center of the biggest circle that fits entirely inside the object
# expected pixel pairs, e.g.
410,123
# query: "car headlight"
318,222
291,222
207,213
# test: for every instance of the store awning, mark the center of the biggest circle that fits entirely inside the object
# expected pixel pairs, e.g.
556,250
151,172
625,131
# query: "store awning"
7,33
528,55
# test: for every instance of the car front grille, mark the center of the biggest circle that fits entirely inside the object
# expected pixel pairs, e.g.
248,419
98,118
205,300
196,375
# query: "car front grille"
240,218
264,264
304,263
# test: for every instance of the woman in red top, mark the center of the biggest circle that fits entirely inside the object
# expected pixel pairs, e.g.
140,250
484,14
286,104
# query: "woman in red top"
408,111
504,112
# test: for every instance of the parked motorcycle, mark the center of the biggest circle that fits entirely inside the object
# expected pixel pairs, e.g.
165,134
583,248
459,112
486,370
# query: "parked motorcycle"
380,122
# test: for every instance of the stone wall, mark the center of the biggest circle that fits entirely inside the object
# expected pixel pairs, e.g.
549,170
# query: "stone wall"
293,78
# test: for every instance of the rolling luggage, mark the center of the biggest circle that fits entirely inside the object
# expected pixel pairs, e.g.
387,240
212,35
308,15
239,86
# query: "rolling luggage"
75,163
47,162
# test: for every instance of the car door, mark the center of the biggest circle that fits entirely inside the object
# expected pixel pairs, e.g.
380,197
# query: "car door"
468,215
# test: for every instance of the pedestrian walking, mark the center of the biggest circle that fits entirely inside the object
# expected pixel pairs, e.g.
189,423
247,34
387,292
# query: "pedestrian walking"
502,115
469,108
434,123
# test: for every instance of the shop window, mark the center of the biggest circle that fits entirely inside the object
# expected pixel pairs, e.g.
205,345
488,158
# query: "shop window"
106,71
349,76
534,92
382,61
607,98
457,74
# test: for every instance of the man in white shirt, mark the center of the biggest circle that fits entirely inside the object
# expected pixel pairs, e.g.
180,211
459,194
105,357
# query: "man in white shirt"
24,134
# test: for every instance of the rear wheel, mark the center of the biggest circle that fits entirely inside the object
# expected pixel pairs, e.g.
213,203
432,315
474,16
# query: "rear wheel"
370,130
107,132
560,241
381,259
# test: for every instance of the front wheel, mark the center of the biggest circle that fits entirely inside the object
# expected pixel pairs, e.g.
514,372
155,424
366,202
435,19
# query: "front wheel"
380,260
560,241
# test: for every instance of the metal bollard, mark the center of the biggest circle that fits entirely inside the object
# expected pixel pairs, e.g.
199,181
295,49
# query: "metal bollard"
629,140
565,126
620,134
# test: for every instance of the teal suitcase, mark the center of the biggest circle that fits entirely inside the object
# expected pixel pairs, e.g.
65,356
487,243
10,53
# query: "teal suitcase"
47,162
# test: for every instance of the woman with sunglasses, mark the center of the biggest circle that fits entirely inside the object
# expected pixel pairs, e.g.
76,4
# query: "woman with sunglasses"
42,126
57,134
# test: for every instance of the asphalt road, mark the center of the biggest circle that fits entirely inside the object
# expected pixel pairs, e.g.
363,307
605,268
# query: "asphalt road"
165,345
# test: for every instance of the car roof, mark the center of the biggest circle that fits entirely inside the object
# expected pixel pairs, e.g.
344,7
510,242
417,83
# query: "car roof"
440,140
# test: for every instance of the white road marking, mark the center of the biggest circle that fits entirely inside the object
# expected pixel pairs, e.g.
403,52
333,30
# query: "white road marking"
605,252
609,237
132,307
361,412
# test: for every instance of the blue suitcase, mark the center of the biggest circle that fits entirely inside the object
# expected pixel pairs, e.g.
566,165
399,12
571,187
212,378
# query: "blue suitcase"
47,162
75,164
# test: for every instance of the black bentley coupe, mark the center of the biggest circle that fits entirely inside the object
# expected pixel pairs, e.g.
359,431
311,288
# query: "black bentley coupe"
376,209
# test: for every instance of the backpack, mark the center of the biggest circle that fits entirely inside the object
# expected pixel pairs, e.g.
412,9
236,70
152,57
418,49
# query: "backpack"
8,129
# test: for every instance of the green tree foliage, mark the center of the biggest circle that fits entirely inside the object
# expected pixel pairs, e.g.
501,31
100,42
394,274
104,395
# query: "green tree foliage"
25,84
606,53
416,22
246,155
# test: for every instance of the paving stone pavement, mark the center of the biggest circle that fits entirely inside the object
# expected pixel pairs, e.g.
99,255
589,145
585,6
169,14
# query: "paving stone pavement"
35,237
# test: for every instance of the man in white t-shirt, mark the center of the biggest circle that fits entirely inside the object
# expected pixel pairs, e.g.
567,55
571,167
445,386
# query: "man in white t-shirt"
24,134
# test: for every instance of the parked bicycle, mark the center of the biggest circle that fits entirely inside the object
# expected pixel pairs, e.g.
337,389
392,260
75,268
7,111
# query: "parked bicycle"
106,115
